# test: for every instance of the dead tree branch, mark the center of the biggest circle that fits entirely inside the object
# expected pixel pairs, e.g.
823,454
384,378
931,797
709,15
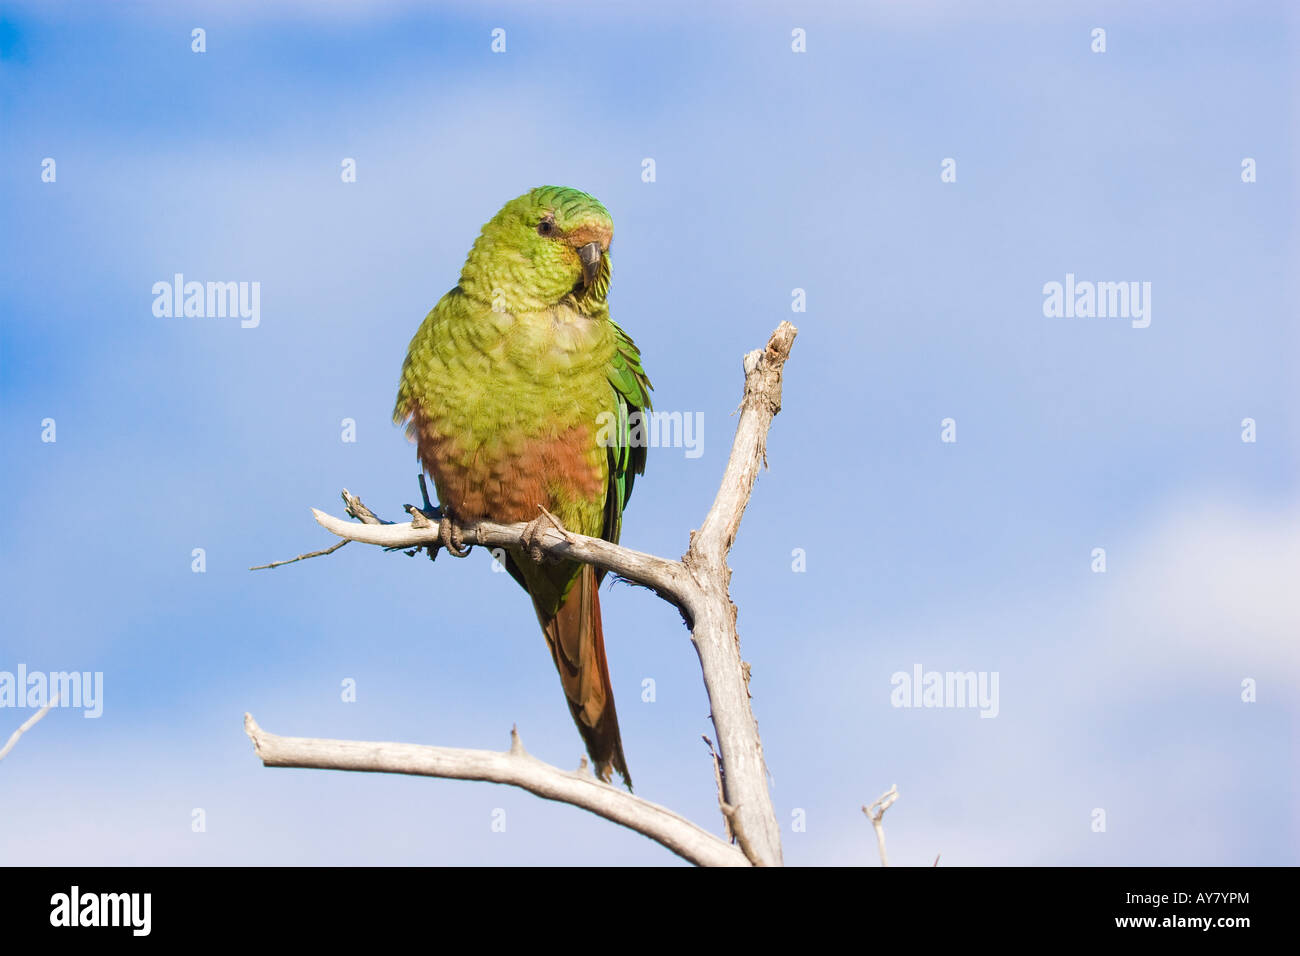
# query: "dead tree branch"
876,814
666,578
515,767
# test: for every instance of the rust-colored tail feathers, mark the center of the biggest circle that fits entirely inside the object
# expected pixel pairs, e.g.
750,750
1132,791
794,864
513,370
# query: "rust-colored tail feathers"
577,644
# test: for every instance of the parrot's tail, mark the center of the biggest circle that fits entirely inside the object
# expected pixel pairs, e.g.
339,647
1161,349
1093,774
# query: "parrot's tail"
577,645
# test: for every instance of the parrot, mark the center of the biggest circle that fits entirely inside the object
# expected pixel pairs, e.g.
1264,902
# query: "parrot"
522,394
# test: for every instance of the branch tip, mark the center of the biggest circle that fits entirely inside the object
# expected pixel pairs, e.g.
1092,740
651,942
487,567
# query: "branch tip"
876,813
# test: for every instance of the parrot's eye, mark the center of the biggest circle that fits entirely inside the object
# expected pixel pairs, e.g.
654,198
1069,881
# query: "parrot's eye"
545,227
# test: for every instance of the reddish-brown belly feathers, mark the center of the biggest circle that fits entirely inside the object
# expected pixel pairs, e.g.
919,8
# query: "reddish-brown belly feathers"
506,482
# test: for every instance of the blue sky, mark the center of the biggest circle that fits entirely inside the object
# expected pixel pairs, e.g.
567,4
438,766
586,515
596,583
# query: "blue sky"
1119,691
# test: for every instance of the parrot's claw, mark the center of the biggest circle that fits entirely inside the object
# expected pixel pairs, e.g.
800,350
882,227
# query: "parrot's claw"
531,538
450,536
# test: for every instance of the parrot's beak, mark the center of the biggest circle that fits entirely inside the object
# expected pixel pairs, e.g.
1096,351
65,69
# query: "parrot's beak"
590,255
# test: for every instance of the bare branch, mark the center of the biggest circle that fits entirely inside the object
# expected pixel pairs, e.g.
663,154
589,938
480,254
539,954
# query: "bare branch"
28,724
763,376
515,767
726,676
722,793
666,578
876,813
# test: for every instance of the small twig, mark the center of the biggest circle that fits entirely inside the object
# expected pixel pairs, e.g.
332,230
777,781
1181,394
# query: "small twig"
717,778
876,812
737,826
423,516
359,511
555,522
419,520
301,557
28,724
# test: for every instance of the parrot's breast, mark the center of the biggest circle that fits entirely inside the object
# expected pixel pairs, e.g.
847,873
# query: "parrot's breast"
505,411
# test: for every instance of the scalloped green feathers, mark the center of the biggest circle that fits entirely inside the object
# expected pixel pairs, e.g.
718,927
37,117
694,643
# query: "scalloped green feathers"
521,393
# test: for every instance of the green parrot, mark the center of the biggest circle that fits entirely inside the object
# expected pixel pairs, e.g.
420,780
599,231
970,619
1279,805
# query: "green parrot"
521,393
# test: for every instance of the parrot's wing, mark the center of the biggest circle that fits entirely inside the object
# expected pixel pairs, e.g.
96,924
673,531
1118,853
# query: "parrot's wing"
626,458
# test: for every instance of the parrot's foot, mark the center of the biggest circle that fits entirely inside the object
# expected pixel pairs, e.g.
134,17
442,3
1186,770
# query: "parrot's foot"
531,538
450,537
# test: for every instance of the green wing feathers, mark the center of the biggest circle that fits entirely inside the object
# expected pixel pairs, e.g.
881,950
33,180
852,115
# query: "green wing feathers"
632,396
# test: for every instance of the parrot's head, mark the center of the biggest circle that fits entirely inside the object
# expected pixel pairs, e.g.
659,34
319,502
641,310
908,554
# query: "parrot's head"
546,245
